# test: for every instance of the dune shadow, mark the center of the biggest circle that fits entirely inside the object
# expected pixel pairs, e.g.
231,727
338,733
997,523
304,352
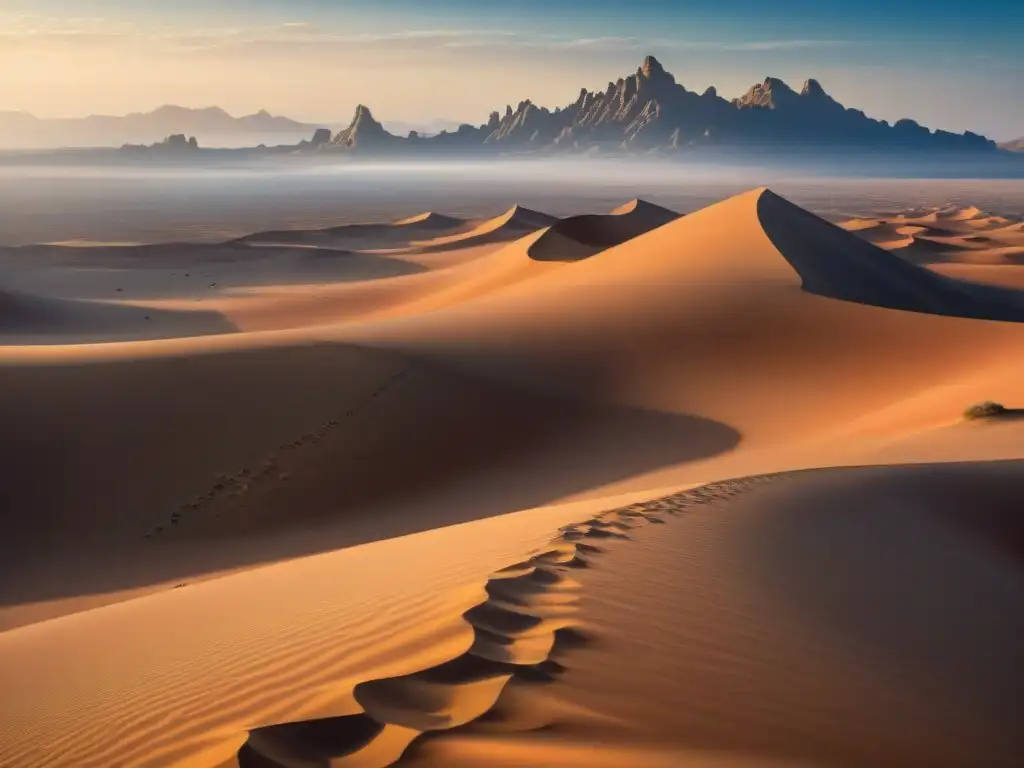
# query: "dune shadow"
837,264
578,237
170,270
40,320
914,567
430,449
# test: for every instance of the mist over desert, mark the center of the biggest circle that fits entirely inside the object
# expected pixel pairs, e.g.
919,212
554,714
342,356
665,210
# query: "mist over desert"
626,425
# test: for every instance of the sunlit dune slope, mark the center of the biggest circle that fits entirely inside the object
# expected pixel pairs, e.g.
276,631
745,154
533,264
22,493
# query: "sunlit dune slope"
709,315
513,223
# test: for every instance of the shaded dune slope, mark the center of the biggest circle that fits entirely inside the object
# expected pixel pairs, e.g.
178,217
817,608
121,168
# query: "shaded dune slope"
323,456
183,270
429,220
513,223
364,236
832,263
577,237
423,234
37,319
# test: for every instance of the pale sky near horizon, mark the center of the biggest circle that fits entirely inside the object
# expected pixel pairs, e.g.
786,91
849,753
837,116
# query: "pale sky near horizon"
942,63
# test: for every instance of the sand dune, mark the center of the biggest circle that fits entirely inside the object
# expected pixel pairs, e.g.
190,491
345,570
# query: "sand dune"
183,270
580,329
954,235
578,237
480,270
795,625
429,220
470,425
30,319
513,223
284,647
1008,276
363,236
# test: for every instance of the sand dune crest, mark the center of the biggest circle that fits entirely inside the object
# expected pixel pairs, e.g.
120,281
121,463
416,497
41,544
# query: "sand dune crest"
578,237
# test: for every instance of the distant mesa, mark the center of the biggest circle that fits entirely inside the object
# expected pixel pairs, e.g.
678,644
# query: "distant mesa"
175,143
321,136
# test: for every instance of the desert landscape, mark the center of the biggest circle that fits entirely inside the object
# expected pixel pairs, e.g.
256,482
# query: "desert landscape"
565,384
643,487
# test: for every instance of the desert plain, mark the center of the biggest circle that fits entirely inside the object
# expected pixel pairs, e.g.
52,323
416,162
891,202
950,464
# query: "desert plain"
631,487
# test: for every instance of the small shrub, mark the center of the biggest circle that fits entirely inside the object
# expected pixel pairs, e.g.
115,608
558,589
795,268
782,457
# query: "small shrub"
984,410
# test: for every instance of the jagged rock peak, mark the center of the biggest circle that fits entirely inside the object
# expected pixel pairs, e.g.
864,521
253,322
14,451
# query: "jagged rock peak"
651,67
362,127
812,88
363,112
766,94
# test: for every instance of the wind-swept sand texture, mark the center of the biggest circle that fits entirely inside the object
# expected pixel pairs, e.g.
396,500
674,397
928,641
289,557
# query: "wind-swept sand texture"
841,617
946,236
298,537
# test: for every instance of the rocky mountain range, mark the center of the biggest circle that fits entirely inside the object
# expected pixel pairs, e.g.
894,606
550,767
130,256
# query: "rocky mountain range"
212,125
1016,145
650,111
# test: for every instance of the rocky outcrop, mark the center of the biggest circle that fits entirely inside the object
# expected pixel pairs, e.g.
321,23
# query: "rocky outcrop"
364,132
174,143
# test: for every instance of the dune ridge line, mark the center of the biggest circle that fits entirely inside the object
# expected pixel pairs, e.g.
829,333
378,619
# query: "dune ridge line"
521,630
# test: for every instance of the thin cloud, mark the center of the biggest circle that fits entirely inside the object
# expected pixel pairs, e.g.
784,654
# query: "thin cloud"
619,43
295,36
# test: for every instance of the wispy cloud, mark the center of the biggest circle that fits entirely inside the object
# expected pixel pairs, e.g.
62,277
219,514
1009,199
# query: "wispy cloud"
621,43
761,45
297,34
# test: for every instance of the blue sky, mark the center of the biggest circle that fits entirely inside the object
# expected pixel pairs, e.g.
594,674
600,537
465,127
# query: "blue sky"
951,65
